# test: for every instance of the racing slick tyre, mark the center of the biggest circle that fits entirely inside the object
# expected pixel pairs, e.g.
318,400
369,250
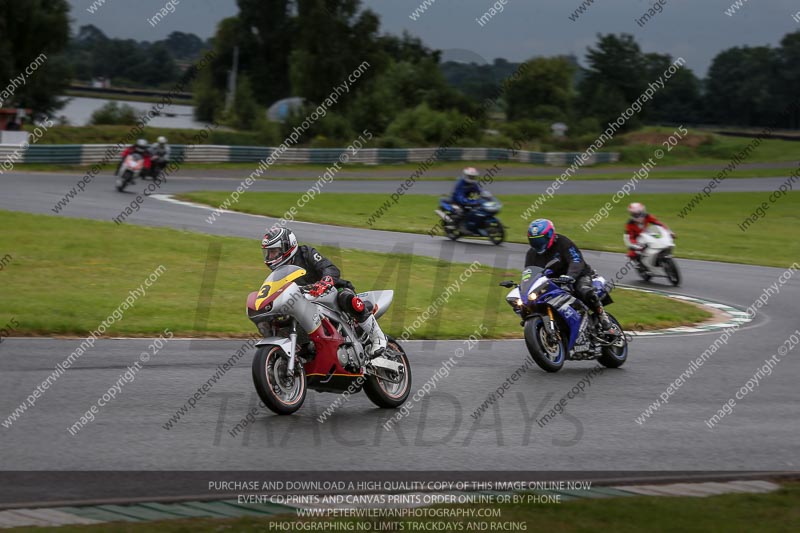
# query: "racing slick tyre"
281,393
549,354
671,269
615,355
393,391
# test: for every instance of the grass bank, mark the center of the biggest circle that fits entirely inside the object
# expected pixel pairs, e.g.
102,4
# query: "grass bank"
710,232
65,276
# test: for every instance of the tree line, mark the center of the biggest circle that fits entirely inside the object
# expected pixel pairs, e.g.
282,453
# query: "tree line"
407,96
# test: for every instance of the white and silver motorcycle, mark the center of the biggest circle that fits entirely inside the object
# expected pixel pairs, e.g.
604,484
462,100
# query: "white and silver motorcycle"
656,254
310,343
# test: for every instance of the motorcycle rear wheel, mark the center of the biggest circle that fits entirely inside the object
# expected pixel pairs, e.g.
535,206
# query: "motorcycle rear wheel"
548,356
385,394
615,356
496,233
281,393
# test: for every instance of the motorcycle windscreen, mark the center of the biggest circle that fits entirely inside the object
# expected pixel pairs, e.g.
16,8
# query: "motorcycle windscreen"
529,277
278,280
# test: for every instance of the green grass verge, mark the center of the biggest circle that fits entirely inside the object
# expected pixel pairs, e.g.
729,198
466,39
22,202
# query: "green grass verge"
775,512
65,276
710,232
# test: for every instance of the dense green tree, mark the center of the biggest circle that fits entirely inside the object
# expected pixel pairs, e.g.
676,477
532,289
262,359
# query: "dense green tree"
126,62
332,38
478,81
185,46
543,91
28,30
406,48
680,100
788,90
615,77
741,87
264,32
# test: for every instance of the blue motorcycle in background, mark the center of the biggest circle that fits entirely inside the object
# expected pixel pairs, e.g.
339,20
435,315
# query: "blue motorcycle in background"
480,221
558,326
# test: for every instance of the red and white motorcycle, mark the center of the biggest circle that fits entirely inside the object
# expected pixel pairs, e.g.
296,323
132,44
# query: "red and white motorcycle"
131,168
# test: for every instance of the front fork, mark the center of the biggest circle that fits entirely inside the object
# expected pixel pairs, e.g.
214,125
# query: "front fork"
550,324
292,349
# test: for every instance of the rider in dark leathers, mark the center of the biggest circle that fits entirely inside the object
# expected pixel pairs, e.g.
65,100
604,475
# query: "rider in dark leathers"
562,258
280,248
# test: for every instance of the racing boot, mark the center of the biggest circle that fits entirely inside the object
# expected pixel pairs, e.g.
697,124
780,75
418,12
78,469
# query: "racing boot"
605,325
375,335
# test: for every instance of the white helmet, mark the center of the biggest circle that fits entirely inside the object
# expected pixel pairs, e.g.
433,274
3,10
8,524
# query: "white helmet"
637,211
142,143
471,174
161,140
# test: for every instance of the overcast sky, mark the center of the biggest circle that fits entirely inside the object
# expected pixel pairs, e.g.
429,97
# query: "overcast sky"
693,29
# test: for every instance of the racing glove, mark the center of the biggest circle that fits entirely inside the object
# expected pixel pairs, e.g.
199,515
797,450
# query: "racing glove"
321,287
565,279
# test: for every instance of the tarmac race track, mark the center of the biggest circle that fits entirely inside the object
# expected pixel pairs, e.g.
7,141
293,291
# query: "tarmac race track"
598,430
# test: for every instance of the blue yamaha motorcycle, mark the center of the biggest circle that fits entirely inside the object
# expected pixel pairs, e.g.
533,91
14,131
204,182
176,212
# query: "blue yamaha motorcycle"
480,222
558,326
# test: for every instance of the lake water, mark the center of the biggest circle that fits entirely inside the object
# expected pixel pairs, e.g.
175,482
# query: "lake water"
78,111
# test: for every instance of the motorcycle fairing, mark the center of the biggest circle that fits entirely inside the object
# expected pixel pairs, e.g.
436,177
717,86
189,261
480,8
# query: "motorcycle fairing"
273,286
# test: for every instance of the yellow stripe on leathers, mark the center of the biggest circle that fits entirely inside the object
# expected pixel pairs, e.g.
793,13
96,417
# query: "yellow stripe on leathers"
271,287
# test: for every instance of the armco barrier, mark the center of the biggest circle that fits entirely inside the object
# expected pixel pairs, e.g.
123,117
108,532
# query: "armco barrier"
87,154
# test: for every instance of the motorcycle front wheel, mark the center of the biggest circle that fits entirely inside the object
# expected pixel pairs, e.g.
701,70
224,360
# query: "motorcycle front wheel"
123,181
390,394
644,273
671,269
548,353
281,393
